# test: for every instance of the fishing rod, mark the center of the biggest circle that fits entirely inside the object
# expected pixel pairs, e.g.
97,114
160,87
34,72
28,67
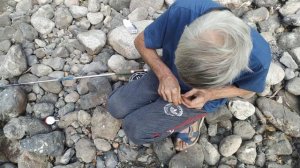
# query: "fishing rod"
136,75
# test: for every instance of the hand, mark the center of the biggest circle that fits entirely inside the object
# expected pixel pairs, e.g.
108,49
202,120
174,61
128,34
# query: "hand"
169,89
196,98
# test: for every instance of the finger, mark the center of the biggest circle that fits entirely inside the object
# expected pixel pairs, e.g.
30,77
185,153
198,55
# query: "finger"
186,102
175,97
163,94
168,95
190,93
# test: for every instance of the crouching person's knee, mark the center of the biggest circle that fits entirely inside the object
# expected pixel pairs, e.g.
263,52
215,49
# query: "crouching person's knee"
117,107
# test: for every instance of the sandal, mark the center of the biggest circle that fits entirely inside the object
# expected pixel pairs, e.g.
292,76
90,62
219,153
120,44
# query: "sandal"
193,133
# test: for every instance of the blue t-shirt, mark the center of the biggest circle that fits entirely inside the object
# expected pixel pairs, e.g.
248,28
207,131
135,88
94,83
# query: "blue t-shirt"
165,33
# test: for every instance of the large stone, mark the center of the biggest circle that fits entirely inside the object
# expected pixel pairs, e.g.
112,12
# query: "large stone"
56,63
42,25
220,115
123,42
289,40
257,15
13,63
78,11
275,75
211,154
9,149
119,4
45,144
40,70
5,45
95,18
243,129
193,157
288,61
118,64
278,144
138,14
93,41
280,116
94,5
270,25
102,145
164,150
12,103
247,153
63,18
17,128
296,54
292,86
30,160
241,109
85,150
290,7
43,110
290,100
24,6
155,4
230,144
69,3
293,19
103,121
24,32
266,3
52,87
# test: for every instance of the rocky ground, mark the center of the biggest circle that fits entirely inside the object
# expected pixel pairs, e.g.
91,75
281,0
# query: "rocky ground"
44,39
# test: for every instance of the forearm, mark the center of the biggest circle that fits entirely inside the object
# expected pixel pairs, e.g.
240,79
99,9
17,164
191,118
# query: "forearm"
228,92
151,57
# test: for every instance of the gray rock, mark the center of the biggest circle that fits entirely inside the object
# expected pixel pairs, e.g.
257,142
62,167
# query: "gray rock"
289,40
48,98
17,128
220,115
211,154
212,129
293,19
43,110
260,159
12,103
280,116
6,33
290,100
276,165
124,44
155,4
229,145
63,18
9,149
45,144
290,7
42,25
83,24
289,74
125,153
247,153
43,2
102,145
82,117
4,20
69,3
40,53
241,109
66,157
5,45
78,11
56,63
8,165
69,107
95,18
24,6
296,54
40,70
85,150
72,97
72,165
14,62
103,121
118,64
45,11
29,160
278,144
96,67
92,40
265,3
61,52
270,25
231,161
292,86
111,159
164,150
119,4
100,163
138,14
275,74
52,87
94,5
193,157
288,61
243,129
257,15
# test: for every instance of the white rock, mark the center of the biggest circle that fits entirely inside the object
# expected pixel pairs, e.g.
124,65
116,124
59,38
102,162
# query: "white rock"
293,86
241,109
24,6
289,74
118,64
78,11
296,54
43,2
138,14
94,5
156,4
229,145
42,25
290,8
275,74
93,41
123,42
40,43
95,18
69,3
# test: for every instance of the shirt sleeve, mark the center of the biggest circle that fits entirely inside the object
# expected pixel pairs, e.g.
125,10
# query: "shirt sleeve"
253,81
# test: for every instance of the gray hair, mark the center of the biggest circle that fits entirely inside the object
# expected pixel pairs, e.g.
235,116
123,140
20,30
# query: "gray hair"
213,50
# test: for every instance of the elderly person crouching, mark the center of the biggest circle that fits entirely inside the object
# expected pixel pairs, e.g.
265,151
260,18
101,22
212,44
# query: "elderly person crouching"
208,55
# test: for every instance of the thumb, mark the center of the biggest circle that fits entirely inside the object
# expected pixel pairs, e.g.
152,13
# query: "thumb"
190,93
